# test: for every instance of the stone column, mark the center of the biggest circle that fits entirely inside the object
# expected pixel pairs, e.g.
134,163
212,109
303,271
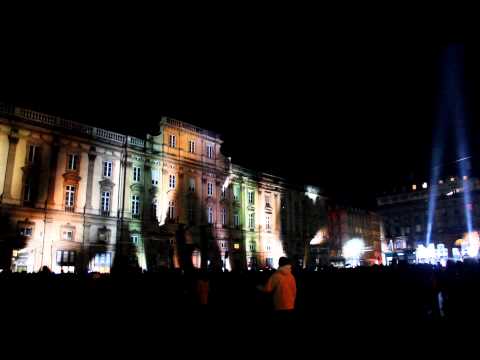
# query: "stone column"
92,155
12,151
52,174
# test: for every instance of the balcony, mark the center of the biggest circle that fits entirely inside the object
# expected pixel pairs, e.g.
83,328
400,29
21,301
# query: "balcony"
105,213
69,208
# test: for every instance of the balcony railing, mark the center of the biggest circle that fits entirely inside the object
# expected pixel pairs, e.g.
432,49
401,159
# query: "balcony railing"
79,128
106,213
69,208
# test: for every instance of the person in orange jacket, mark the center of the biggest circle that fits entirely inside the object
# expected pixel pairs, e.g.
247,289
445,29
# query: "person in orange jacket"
283,286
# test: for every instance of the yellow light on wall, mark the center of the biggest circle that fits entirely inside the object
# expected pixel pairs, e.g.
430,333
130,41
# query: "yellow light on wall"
236,246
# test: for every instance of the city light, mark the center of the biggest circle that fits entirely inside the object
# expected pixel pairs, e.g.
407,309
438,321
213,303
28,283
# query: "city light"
353,250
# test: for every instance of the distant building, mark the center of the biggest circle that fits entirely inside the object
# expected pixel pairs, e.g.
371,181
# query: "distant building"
355,235
406,218
79,198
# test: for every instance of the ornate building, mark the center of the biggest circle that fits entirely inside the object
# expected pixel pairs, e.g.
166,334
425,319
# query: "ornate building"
75,197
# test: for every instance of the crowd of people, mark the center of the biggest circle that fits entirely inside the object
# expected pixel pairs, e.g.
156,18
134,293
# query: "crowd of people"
327,297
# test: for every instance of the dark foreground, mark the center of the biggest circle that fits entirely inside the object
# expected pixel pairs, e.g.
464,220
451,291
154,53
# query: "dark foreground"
157,305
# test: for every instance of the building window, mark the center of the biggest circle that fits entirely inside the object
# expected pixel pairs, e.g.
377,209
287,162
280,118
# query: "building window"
224,216
210,189
418,228
32,154
154,209
136,174
191,185
191,215
67,235
107,168
268,247
72,162
236,220
269,262
210,151
101,263
268,222
267,201
191,146
66,260
69,197
172,141
210,215
235,193
224,192
171,209
27,191
155,177
135,239
171,182
105,203
135,206
252,246
251,220
26,231
251,198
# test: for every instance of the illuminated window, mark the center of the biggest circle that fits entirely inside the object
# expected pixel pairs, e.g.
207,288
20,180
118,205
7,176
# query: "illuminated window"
465,177
32,154
155,176
68,235
69,197
424,185
440,182
251,220
171,209
210,189
171,182
210,215
72,162
414,187
191,146
191,185
210,151
105,203
268,222
224,216
107,168
136,174
236,246
135,239
236,220
135,206
172,141
452,179
251,198
101,262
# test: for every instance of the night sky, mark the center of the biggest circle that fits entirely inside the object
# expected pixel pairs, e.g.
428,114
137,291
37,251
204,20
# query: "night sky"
351,111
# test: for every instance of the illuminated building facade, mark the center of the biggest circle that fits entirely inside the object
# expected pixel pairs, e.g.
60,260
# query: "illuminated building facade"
76,198
405,215
355,234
